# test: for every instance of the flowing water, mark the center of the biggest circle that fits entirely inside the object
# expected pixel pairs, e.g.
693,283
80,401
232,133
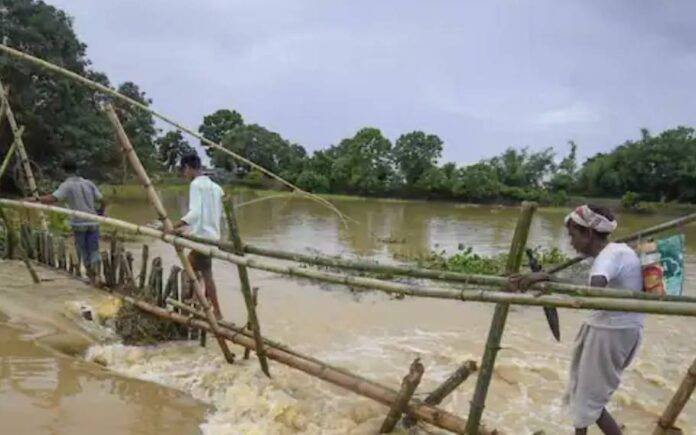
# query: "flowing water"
370,333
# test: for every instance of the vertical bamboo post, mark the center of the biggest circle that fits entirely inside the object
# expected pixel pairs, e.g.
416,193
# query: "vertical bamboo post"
106,267
253,320
156,202
61,253
50,250
143,266
255,299
495,333
21,151
408,387
19,247
666,422
171,288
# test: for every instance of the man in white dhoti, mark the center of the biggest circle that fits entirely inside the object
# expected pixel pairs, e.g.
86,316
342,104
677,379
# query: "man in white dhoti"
608,340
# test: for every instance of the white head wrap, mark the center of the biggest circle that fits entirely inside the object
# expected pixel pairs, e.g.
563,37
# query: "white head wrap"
585,217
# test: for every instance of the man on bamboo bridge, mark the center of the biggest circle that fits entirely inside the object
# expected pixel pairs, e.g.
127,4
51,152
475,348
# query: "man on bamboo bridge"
82,195
202,220
607,341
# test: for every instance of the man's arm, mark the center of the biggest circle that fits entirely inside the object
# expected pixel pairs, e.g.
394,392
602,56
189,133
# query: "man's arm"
194,211
44,199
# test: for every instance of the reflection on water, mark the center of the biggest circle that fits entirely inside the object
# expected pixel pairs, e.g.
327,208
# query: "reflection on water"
378,337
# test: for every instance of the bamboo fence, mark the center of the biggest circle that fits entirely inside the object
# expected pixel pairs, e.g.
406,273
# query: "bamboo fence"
467,279
362,283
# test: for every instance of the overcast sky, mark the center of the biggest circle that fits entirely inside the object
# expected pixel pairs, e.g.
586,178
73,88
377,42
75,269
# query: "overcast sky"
482,75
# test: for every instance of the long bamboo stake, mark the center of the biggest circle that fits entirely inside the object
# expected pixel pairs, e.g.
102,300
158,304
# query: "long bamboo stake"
676,405
156,202
495,333
358,283
665,226
22,152
439,275
236,239
17,54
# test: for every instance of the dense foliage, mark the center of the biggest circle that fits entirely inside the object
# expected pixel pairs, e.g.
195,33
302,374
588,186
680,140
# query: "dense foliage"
63,119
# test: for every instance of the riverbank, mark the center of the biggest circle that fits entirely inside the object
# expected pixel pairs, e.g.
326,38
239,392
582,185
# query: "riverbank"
135,191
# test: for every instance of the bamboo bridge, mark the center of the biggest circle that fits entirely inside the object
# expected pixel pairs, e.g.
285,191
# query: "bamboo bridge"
162,298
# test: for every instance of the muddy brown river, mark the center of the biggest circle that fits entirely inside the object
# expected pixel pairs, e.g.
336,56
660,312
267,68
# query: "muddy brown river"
50,381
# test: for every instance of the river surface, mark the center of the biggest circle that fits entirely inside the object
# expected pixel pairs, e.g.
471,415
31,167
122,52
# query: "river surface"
370,333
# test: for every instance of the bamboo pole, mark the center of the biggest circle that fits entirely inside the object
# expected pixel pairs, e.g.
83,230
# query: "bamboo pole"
408,387
170,287
21,152
8,157
647,232
156,202
341,378
17,54
255,300
143,267
444,389
679,400
358,283
468,279
19,247
253,320
495,333
62,263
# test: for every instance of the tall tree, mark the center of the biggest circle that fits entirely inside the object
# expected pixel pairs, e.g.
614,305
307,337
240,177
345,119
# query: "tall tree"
60,117
138,124
414,153
564,178
171,148
215,127
362,164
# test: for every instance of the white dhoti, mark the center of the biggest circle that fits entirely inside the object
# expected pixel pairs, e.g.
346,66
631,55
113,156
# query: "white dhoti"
599,357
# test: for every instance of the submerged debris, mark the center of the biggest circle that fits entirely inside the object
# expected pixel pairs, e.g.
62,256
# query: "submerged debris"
137,328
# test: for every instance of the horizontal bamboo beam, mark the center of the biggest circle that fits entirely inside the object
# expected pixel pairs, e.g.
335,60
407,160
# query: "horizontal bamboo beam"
357,283
439,275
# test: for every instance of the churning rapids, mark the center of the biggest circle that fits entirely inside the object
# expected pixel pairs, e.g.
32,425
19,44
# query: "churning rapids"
52,379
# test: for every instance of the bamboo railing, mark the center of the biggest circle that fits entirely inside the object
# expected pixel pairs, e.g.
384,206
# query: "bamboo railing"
358,283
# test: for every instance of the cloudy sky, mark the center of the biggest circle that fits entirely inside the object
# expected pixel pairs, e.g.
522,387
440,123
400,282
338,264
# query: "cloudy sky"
482,75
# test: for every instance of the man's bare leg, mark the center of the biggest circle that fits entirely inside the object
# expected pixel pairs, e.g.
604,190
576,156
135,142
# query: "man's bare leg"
211,292
607,424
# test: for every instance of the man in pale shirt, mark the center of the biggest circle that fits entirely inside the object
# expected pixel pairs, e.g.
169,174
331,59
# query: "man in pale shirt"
202,220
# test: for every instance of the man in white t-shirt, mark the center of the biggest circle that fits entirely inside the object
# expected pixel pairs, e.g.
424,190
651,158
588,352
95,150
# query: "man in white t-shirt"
202,220
608,340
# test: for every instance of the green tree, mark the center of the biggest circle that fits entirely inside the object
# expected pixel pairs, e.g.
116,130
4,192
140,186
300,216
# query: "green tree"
414,153
60,117
362,164
171,148
138,124
265,148
520,168
478,182
215,127
564,178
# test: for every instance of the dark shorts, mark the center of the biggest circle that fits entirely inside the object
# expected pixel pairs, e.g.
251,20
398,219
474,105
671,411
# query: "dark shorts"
201,262
87,245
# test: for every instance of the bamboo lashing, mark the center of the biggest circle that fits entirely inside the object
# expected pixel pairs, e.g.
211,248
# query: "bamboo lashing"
236,239
358,283
21,151
495,333
408,387
677,403
665,226
156,202
439,275
17,54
